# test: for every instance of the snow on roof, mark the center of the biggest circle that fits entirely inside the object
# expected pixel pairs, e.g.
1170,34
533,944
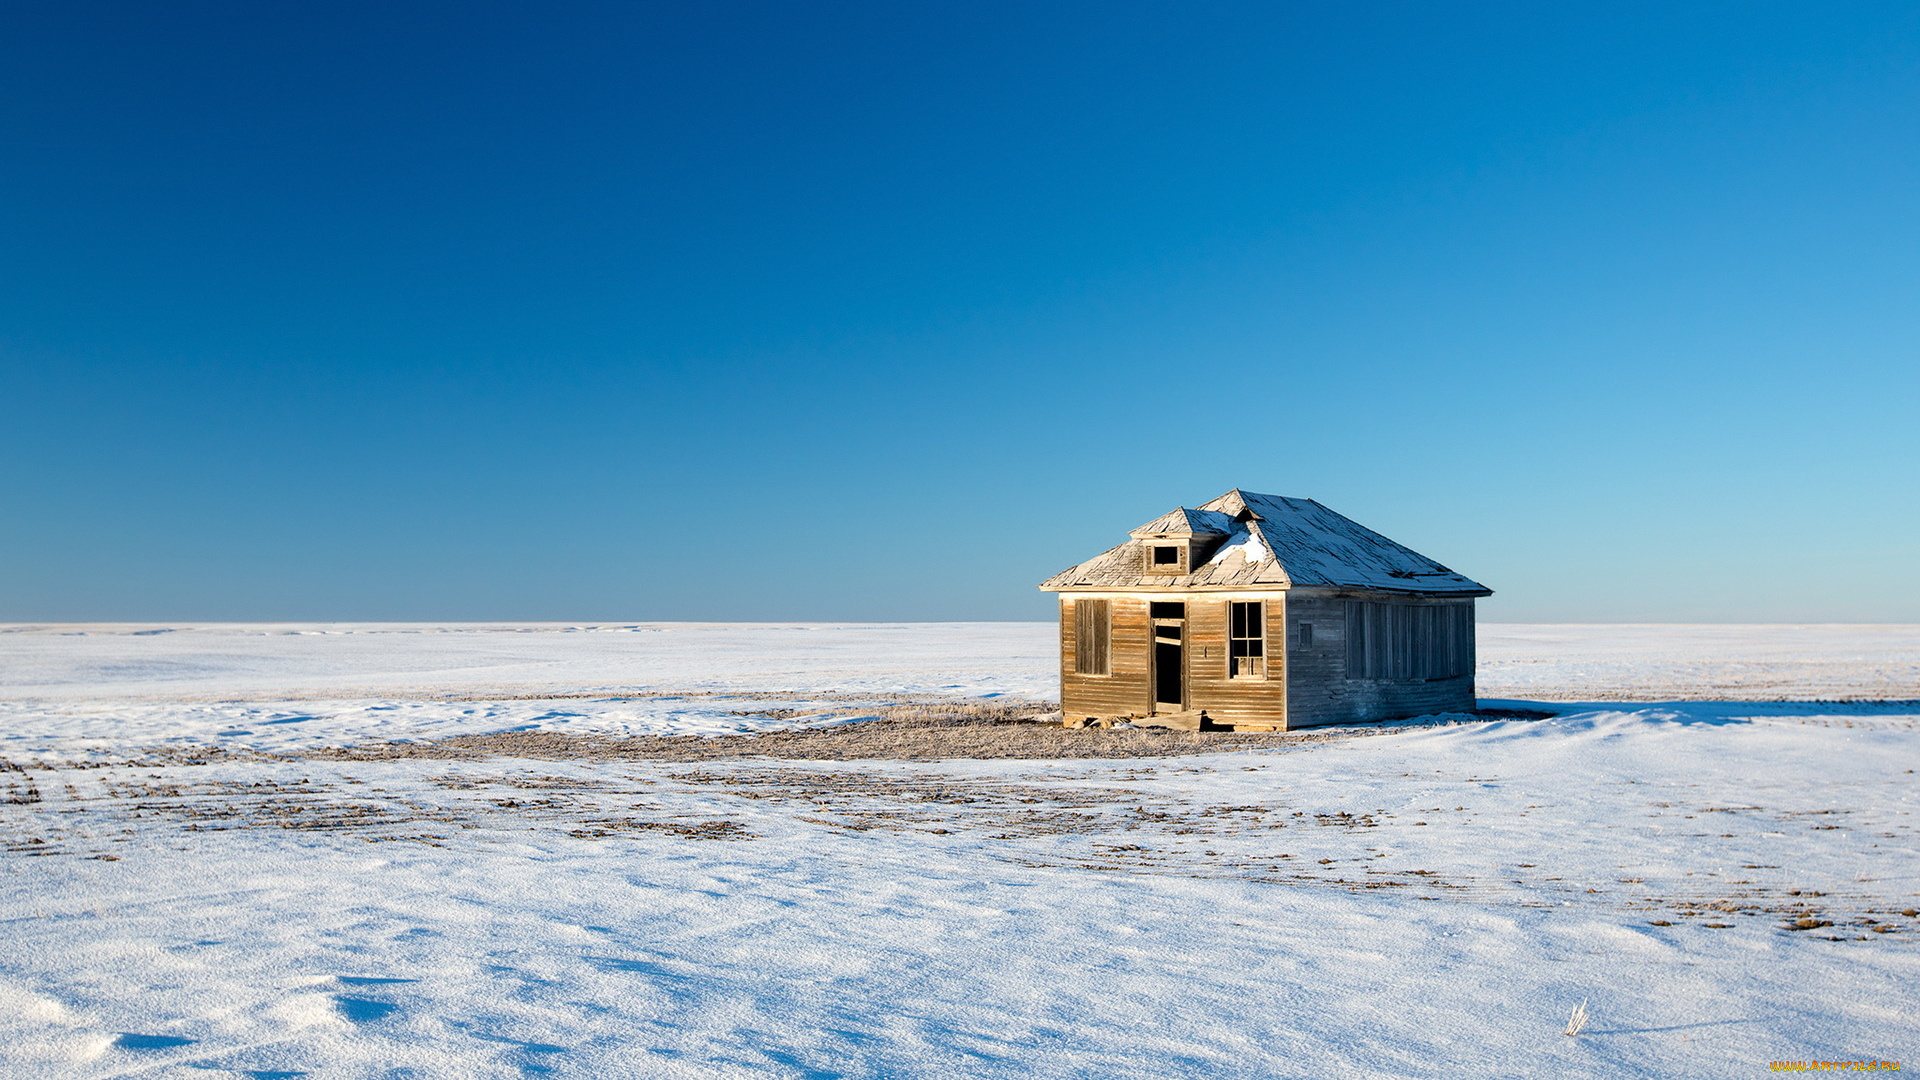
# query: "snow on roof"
1185,522
1275,540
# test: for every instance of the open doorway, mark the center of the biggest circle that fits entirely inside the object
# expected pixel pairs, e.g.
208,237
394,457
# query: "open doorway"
1169,667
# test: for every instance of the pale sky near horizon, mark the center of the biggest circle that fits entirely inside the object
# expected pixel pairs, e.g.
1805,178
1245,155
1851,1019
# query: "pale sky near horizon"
613,311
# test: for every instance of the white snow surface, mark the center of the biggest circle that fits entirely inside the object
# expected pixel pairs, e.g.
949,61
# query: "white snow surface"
1244,542
1426,900
280,687
1623,662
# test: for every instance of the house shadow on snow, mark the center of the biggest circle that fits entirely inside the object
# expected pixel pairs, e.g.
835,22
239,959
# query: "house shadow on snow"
1713,713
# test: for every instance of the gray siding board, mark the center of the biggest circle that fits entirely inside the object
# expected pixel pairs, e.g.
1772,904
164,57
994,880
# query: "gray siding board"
1319,691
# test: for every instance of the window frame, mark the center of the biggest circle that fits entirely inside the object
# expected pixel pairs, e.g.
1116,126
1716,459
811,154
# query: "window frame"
1182,553
1242,646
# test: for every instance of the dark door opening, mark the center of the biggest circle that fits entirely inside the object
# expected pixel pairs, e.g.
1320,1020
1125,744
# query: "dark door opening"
1169,668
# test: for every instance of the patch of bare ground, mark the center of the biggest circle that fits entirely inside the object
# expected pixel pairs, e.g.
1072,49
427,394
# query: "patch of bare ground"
891,740
921,731
95,810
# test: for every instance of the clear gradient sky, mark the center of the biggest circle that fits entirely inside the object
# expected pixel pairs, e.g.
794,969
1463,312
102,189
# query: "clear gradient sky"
712,310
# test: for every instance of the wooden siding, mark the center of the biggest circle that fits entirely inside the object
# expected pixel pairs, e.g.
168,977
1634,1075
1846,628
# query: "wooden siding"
1228,700
1128,689
1306,684
1403,641
1321,692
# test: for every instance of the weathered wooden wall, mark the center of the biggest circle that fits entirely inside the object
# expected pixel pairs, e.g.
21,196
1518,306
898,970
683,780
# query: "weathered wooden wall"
1128,689
1306,684
1229,700
1321,693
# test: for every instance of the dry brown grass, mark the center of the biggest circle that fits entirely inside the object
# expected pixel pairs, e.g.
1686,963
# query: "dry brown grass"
902,733
896,740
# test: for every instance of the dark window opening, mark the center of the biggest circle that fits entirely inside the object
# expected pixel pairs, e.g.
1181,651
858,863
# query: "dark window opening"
1166,556
1246,639
1166,633
1092,635
1166,609
1306,635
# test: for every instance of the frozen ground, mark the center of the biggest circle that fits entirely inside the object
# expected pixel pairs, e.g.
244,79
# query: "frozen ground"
276,687
1695,663
194,887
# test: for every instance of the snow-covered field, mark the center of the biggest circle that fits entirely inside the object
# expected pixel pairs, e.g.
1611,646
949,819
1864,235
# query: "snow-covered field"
194,887
1695,663
280,687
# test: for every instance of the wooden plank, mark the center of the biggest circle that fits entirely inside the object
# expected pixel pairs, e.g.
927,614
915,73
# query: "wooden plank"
1321,691
1127,687
1210,686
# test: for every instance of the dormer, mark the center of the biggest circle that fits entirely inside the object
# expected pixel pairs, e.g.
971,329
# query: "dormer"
1173,544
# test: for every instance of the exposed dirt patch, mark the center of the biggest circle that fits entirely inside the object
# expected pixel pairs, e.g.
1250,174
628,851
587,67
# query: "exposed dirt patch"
894,740
920,731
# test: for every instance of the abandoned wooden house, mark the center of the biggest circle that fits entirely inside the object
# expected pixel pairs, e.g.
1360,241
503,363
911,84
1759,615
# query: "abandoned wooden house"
1262,612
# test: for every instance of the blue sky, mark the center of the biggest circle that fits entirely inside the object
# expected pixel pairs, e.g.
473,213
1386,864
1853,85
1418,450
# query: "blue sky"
887,311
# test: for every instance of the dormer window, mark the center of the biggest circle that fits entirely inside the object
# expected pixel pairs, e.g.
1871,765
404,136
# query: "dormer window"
1173,544
1166,556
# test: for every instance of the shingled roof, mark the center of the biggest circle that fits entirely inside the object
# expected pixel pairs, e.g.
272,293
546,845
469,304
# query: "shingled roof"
1273,540
1185,522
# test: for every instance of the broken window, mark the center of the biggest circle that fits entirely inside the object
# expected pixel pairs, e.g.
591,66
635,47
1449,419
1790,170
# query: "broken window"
1247,639
1166,555
1092,633
1166,609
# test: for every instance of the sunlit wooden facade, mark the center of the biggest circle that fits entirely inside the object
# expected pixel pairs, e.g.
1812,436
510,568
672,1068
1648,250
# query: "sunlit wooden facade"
1262,612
